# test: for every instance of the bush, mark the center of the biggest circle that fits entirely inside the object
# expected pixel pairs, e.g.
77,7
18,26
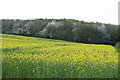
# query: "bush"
117,46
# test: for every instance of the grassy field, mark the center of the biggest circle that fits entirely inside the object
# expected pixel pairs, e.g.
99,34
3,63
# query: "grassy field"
29,57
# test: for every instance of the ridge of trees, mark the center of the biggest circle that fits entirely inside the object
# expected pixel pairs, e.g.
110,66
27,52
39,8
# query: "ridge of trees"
64,29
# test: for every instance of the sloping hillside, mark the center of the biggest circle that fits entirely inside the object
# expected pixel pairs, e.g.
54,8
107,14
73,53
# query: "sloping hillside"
30,57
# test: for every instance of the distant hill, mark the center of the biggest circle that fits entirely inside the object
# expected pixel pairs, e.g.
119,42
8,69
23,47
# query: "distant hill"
64,29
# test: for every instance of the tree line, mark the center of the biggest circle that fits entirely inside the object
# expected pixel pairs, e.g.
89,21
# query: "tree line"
64,29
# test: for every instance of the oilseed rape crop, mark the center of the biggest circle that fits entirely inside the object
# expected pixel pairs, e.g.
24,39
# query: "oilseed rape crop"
30,57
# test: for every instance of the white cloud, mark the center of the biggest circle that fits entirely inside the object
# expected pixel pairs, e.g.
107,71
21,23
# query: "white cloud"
88,10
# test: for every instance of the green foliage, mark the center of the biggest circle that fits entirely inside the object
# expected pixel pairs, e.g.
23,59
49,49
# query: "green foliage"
117,46
70,30
118,33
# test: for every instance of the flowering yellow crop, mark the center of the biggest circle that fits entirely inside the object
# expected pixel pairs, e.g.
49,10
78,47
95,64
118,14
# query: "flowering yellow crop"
29,57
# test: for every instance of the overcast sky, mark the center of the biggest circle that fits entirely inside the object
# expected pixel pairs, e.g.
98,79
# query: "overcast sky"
105,11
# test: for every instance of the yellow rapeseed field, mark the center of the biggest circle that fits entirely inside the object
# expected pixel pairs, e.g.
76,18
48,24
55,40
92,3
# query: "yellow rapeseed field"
30,57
